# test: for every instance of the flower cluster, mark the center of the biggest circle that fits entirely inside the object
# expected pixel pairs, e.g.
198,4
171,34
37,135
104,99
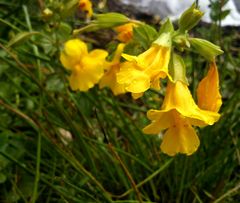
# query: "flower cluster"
137,73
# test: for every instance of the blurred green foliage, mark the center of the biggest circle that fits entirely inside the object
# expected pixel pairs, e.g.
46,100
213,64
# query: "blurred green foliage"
62,146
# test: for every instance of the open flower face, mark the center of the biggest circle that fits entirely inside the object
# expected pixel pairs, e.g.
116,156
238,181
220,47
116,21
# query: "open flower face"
110,79
178,113
86,68
141,72
209,97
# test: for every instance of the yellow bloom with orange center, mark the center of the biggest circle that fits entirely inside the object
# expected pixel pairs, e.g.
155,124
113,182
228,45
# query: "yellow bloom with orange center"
110,79
86,6
86,68
125,32
209,97
141,72
178,114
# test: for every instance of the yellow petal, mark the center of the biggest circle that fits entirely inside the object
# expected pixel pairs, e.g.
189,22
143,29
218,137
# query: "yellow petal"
180,138
125,32
156,82
73,51
135,81
160,120
156,127
209,97
110,80
140,83
130,57
137,95
98,54
86,76
118,53
156,59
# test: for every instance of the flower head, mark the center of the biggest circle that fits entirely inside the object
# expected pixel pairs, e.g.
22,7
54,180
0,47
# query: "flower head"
110,79
86,68
86,6
178,113
125,32
141,72
209,97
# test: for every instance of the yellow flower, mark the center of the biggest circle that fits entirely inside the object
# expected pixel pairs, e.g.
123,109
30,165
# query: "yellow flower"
110,79
86,6
178,113
86,68
125,32
141,72
209,97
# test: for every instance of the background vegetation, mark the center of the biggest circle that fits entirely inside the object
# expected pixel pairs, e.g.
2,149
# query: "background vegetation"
62,146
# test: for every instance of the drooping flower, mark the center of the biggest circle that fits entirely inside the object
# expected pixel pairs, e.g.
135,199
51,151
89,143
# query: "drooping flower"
86,68
209,97
141,72
110,79
125,32
178,114
86,6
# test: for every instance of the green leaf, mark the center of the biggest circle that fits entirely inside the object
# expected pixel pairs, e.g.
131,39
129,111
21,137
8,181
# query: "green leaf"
69,8
54,83
21,37
167,26
64,31
145,35
224,14
3,177
3,67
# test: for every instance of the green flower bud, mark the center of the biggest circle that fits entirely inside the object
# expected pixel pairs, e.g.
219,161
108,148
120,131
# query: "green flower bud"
47,13
181,41
177,69
111,20
190,18
102,21
205,48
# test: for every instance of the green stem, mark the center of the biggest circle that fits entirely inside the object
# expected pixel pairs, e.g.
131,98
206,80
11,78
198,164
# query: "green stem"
148,178
39,139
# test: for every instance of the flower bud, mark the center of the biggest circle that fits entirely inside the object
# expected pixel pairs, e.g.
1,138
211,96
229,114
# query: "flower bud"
190,18
181,41
205,48
47,13
177,69
111,20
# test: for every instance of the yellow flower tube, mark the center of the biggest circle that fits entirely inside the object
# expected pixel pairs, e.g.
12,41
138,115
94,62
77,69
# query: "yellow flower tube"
86,68
209,97
141,72
178,113
110,79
